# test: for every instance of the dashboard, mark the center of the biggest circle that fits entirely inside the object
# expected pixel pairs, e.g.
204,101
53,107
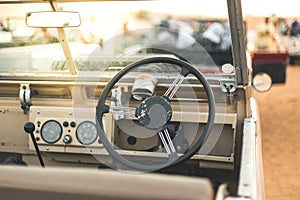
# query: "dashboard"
70,128
63,110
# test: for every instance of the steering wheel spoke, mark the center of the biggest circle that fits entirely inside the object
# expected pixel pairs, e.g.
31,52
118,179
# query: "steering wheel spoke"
174,86
122,110
167,142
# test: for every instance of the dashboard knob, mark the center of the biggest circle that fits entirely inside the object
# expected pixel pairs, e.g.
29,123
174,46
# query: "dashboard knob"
73,124
29,127
65,124
67,139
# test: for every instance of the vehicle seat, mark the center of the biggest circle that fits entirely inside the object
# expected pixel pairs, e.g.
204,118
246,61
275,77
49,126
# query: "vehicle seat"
19,182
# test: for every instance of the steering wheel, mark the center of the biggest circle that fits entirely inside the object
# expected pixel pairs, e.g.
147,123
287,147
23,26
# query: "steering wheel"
155,113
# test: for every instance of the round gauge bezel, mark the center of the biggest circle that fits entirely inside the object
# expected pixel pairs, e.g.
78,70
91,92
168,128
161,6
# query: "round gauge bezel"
79,140
60,134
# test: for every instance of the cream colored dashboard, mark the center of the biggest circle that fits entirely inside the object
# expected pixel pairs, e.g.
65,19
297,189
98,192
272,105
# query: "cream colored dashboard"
70,110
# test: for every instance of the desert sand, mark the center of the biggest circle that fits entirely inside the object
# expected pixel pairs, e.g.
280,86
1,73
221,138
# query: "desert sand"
280,121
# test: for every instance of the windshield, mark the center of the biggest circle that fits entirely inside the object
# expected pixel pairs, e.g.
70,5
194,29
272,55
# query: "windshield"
113,34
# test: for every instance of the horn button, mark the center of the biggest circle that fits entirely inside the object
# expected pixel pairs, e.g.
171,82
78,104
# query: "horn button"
154,113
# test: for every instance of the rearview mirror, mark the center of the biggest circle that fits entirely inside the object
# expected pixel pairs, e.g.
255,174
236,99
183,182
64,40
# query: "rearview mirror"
53,19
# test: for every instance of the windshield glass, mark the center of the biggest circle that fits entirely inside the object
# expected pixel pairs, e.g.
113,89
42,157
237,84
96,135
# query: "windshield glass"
113,34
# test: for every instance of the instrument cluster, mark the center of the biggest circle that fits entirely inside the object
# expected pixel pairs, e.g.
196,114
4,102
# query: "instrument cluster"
52,131
65,129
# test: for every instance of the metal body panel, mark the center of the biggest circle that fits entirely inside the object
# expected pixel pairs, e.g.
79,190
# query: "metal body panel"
251,183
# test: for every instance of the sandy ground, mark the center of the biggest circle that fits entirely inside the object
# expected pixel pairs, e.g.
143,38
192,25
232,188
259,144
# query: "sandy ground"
280,118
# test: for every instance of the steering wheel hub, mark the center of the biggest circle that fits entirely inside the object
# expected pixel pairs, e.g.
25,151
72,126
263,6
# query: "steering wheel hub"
154,113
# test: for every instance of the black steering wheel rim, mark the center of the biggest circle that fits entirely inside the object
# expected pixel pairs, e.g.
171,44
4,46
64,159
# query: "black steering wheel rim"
102,109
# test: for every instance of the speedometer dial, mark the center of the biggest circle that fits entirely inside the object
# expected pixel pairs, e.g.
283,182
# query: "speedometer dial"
51,131
86,133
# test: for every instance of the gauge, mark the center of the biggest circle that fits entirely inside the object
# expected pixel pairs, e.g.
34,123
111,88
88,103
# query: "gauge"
86,133
51,131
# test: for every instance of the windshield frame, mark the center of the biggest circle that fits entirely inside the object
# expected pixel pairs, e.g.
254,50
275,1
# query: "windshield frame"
238,41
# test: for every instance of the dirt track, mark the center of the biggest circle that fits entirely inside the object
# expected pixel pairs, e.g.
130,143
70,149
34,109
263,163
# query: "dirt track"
280,118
